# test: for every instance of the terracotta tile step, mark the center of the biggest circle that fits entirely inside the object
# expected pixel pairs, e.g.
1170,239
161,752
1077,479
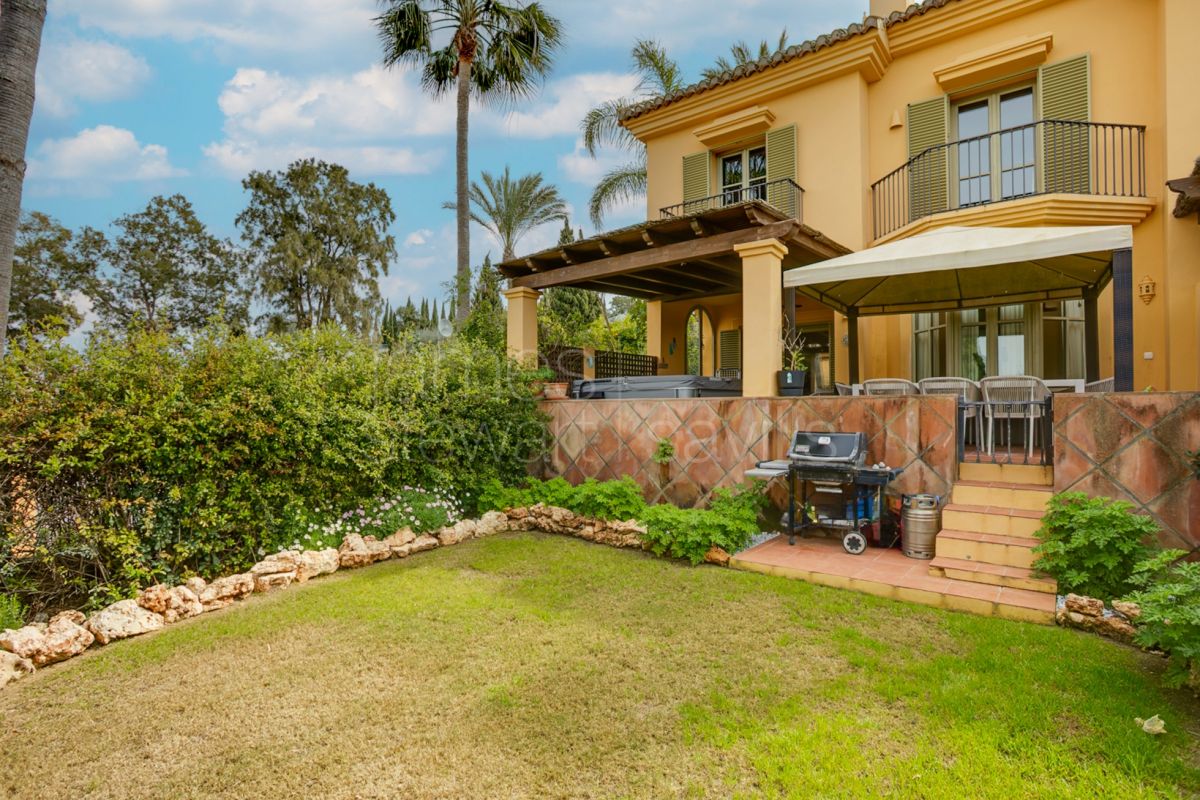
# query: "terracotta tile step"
987,548
1030,497
992,574
1007,473
992,519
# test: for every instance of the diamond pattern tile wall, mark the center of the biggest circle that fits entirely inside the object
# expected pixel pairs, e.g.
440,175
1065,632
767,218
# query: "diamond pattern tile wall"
717,440
1133,446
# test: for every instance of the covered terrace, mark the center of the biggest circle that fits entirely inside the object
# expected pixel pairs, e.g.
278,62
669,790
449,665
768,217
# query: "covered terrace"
737,249
956,268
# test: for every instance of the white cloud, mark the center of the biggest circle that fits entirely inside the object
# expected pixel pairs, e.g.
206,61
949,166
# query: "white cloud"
77,70
356,120
83,163
564,103
291,28
418,238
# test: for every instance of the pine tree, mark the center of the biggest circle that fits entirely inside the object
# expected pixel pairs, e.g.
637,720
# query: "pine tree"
486,322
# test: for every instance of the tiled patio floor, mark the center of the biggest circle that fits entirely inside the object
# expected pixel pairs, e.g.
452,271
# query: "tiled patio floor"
889,573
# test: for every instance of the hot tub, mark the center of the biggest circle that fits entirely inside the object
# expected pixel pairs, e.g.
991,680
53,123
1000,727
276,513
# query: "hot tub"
655,386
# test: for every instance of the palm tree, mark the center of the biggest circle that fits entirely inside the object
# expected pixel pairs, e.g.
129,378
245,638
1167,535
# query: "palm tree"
658,75
741,54
509,209
21,24
496,51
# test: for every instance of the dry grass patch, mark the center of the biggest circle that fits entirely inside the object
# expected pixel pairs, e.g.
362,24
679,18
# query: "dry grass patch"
534,666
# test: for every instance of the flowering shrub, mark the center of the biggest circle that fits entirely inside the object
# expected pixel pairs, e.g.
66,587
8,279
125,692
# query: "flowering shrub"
421,510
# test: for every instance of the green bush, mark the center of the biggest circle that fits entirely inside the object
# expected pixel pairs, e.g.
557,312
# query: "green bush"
1169,597
1091,545
613,500
12,612
152,458
728,523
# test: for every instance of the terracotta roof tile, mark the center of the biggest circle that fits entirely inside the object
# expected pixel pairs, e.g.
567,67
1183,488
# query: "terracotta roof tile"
783,56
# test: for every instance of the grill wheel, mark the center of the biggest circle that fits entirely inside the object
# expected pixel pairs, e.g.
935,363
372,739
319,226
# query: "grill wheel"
854,543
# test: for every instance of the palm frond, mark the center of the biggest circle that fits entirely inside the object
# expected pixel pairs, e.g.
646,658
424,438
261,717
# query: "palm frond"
602,127
618,185
659,73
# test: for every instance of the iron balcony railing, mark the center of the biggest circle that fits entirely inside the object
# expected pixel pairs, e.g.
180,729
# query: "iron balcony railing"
1046,157
784,195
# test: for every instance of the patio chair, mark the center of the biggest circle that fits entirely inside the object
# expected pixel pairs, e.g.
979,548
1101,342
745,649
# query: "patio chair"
1103,385
889,386
843,389
1012,397
965,389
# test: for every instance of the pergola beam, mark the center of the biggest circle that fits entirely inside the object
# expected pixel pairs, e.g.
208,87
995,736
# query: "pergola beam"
662,256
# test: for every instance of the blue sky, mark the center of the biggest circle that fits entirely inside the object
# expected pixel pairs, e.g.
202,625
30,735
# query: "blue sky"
145,97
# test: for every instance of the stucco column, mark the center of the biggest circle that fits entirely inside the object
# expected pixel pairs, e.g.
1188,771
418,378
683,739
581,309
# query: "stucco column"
654,331
522,324
762,316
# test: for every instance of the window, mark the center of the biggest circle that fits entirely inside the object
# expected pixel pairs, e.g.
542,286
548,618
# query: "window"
744,176
699,356
929,345
1046,339
1063,340
994,155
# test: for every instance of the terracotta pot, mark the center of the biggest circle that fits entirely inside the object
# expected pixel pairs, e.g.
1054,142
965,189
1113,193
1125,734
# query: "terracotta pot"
556,391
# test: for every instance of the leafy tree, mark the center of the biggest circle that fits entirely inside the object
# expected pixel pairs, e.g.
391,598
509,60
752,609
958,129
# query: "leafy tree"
509,209
45,271
741,54
659,75
487,323
21,24
494,50
320,242
164,270
566,312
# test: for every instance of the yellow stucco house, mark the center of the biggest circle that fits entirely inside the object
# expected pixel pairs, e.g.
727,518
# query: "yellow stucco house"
1025,114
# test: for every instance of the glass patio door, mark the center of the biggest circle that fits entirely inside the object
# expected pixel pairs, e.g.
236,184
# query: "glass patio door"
991,341
995,149
744,176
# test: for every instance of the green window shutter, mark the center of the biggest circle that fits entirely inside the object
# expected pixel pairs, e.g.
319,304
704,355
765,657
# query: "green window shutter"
927,191
1065,90
695,181
729,352
781,165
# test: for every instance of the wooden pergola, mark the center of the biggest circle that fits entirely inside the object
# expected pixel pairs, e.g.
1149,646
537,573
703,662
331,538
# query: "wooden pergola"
740,248
672,258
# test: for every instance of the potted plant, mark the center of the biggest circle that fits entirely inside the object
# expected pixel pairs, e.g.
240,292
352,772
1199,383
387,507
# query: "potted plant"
539,379
556,390
793,378
663,454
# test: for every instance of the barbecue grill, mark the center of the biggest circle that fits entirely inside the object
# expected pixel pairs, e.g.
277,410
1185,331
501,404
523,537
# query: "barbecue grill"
829,469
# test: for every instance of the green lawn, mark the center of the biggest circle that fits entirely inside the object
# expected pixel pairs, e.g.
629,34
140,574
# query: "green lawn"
535,666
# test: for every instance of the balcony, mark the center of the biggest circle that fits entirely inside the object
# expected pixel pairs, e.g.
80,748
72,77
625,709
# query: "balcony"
784,195
1045,157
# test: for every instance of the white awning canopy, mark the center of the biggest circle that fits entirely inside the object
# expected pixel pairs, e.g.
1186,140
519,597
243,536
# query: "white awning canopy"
959,267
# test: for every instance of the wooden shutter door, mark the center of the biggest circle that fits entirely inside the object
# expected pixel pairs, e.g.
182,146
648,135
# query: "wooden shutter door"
695,181
781,165
1065,90
927,189
729,353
